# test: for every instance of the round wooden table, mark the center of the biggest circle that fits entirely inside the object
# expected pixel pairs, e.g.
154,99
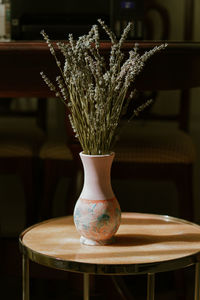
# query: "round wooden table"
144,244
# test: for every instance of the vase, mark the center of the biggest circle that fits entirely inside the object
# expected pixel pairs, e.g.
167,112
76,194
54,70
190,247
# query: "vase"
97,213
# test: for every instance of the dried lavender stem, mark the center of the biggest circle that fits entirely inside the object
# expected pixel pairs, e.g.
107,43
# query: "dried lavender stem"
96,93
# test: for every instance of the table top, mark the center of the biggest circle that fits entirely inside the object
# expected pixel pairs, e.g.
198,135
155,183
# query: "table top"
144,243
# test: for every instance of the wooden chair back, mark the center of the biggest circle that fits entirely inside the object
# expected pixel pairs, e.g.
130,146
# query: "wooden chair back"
166,20
182,116
21,108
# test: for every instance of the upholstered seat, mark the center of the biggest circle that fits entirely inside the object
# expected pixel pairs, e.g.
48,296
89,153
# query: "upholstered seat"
157,152
55,150
20,142
156,147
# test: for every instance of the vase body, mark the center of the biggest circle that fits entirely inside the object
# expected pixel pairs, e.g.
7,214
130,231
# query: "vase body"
97,212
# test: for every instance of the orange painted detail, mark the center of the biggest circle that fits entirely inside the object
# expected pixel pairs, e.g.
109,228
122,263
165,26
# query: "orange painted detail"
92,201
97,220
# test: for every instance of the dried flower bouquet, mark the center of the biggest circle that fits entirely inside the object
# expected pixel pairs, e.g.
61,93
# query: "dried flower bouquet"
95,91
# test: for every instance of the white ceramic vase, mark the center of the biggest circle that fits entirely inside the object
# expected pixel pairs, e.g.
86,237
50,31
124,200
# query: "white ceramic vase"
97,213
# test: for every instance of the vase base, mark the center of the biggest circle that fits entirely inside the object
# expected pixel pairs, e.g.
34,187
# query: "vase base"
90,242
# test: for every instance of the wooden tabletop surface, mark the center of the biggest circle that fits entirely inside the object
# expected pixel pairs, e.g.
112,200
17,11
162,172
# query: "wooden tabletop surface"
143,243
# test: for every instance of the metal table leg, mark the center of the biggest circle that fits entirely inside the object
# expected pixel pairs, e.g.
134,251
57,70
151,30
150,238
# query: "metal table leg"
197,282
25,277
86,286
150,286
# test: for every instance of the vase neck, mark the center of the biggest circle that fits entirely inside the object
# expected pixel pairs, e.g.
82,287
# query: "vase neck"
97,182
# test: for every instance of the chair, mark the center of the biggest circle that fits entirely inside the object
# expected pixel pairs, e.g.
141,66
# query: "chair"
57,162
22,132
162,154
153,154
157,155
152,6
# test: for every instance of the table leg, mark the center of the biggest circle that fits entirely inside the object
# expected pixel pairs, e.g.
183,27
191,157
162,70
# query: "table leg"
25,277
86,286
197,282
150,286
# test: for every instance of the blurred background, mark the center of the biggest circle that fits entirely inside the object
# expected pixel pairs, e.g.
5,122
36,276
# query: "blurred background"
165,19
25,23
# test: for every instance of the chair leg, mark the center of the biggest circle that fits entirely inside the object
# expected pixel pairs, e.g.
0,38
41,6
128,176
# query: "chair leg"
50,181
74,190
26,173
184,183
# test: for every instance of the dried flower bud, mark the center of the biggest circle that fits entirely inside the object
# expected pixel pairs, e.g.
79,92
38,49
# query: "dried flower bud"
95,92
